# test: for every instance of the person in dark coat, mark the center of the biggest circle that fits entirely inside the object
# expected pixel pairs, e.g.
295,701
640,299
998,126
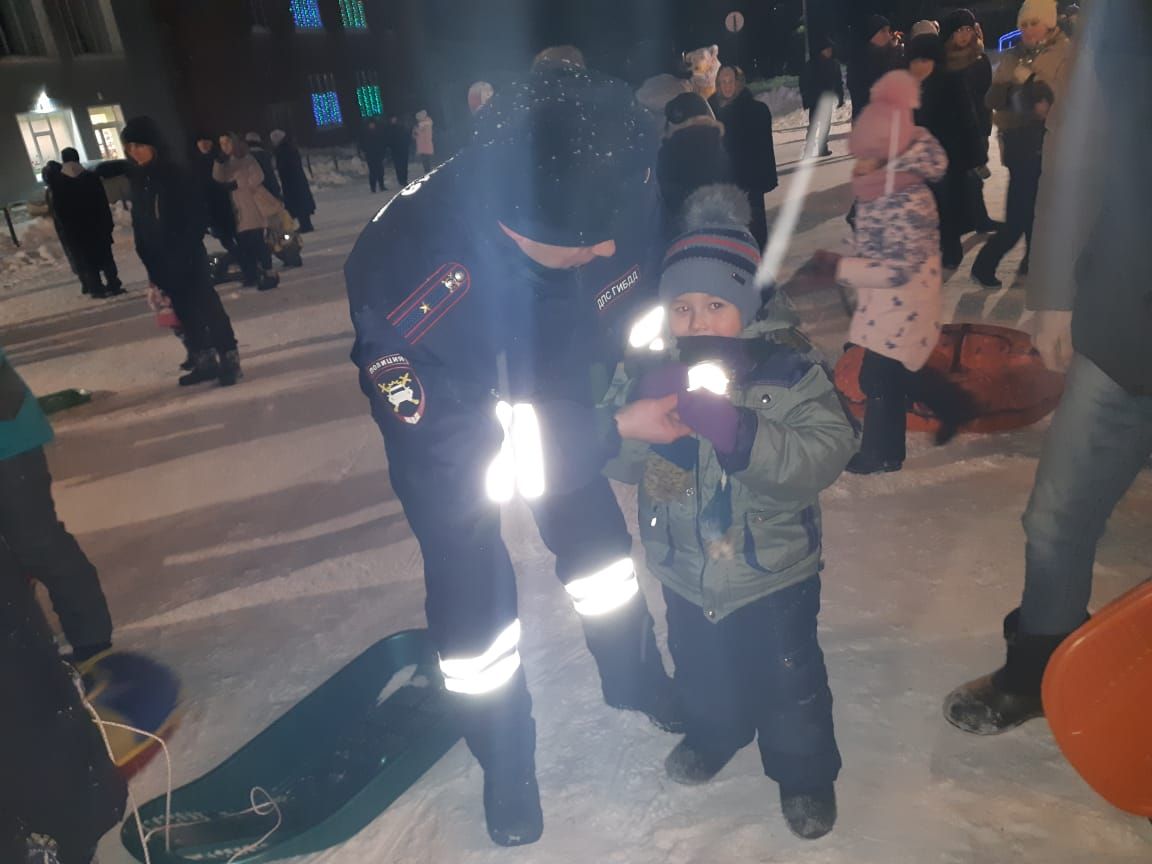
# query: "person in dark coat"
168,221
946,111
877,55
374,146
85,220
264,159
48,176
692,155
964,56
217,203
748,138
400,146
821,74
297,193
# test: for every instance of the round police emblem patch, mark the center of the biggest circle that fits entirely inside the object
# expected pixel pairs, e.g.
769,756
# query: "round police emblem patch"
398,387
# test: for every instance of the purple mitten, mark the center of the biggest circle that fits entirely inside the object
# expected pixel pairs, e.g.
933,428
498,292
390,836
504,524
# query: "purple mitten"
663,381
710,416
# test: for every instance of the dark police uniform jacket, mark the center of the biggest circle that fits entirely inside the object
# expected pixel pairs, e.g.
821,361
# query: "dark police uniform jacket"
449,317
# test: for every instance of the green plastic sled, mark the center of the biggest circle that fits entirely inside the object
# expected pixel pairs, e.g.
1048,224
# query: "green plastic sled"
62,400
332,764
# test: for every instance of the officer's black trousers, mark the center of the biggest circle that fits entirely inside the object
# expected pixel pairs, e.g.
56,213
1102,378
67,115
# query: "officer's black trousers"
468,610
758,673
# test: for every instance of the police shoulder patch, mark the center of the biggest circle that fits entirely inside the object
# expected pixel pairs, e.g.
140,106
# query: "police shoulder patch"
394,378
416,315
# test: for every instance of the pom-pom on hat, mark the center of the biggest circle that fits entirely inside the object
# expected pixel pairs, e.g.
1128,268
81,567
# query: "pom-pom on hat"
717,255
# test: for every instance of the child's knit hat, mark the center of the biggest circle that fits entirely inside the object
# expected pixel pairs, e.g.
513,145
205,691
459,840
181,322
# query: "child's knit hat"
894,97
716,255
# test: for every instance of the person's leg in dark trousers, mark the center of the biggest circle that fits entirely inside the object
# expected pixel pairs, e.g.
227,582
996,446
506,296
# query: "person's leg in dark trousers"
376,174
716,719
1100,439
208,333
1023,184
885,384
758,226
587,533
56,780
949,194
248,245
44,550
106,263
785,682
400,161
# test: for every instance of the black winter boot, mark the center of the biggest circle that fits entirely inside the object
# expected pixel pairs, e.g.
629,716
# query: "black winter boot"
689,764
882,447
810,813
984,272
1010,696
512,806
952,405
268,280
230,371
206,368
501,734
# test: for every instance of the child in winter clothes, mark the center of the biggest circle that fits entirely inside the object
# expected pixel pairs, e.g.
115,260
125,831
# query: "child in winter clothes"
896,271
730,516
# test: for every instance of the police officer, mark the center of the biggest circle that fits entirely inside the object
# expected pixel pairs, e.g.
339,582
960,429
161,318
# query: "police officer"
491,301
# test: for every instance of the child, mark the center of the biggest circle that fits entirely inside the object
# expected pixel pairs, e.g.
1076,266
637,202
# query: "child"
896,271
730,517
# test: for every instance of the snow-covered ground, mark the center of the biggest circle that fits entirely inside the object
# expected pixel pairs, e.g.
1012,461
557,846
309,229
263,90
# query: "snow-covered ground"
249,538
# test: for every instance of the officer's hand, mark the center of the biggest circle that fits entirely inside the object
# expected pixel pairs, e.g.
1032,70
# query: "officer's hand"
651,420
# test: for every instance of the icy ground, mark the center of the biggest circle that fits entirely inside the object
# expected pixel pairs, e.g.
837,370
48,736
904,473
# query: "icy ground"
248,538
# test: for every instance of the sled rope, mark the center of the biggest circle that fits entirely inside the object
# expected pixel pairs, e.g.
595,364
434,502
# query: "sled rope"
269,806
260,808
100,724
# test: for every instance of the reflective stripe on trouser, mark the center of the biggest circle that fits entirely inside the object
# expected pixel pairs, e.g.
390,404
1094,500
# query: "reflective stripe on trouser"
586,532
605,590
487,671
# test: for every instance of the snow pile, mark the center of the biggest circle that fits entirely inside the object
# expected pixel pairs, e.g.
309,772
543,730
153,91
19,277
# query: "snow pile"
788,108
334,166
39,250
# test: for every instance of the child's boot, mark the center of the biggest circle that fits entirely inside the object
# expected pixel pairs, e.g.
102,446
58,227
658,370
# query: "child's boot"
692,765
810,813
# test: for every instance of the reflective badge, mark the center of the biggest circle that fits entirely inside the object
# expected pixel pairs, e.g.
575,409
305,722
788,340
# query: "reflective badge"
393,376
615,289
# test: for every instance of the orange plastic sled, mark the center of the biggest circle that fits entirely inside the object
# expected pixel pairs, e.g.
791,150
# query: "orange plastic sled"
1098,700
996,366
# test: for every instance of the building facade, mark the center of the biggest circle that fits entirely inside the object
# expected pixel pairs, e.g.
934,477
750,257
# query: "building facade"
71,71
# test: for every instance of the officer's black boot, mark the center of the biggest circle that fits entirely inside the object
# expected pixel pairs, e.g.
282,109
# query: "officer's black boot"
1009,696
501,734
632,674
205,368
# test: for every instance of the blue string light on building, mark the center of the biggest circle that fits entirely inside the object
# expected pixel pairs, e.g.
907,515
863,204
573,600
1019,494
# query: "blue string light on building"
352,15
368,98
326,110
306,14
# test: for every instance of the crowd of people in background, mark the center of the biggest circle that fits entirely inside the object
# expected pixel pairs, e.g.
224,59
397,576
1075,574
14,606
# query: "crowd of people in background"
924,108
